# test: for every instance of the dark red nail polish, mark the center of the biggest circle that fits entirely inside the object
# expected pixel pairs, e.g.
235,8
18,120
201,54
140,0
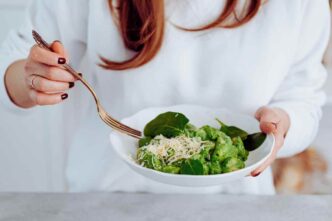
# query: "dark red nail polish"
71,84
257,174
58,41
64,96
80,74
61,61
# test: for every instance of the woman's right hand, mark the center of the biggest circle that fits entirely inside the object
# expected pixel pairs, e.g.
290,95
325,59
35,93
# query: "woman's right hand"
46,80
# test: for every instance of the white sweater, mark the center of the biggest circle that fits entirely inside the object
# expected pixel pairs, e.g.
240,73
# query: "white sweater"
273,60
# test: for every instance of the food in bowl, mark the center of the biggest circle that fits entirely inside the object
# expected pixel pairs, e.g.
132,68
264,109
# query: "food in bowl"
172,145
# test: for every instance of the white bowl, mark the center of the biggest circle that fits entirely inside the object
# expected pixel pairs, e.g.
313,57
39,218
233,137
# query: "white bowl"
126,146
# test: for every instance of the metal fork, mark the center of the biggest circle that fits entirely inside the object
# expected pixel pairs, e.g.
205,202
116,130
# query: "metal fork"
110,121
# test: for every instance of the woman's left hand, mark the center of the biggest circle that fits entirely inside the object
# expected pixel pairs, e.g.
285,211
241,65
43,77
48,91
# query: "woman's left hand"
277,122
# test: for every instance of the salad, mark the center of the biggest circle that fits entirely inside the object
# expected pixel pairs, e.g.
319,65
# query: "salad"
172,145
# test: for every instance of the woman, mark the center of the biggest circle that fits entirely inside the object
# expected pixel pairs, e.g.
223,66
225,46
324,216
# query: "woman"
260,58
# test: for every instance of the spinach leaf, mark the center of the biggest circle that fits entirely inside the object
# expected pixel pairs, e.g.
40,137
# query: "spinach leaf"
232,131
169,124
253,141
250,141
192,167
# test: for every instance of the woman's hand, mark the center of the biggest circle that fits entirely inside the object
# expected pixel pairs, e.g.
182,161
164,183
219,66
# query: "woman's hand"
277,122
39,79
45,77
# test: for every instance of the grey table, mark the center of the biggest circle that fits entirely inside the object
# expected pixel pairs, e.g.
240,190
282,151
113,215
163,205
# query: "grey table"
123,207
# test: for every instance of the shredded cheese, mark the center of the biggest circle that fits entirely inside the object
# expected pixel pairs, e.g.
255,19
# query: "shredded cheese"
173,149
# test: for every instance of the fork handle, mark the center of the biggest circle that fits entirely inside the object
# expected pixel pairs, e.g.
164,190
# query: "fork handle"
43,44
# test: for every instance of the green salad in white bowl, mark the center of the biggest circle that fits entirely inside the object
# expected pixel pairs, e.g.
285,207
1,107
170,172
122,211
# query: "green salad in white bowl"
189,145
173,145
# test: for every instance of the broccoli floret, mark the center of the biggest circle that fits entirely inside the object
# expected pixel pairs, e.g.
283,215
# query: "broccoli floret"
223,151
232,164
215,167
242,152
171,169
150,160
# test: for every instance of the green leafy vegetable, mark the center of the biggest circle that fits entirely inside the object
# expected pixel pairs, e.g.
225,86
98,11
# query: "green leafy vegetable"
207,150
232,131
192,167
190,130
144,141
171,169
251,141
173,145
169,124
254,141
201,133
223,151
242,152
215,167
151,161
211,133
231,164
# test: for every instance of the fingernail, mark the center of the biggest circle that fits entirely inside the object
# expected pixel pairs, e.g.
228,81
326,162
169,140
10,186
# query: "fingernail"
64,96
256,174
71,84
80,74
58,41
61,61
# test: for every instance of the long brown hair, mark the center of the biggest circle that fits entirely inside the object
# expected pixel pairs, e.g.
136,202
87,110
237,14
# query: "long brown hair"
142,22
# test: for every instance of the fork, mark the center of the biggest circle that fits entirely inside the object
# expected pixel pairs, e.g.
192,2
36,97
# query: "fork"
110,121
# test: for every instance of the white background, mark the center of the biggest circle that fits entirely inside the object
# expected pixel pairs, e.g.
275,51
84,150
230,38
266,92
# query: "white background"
31,154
